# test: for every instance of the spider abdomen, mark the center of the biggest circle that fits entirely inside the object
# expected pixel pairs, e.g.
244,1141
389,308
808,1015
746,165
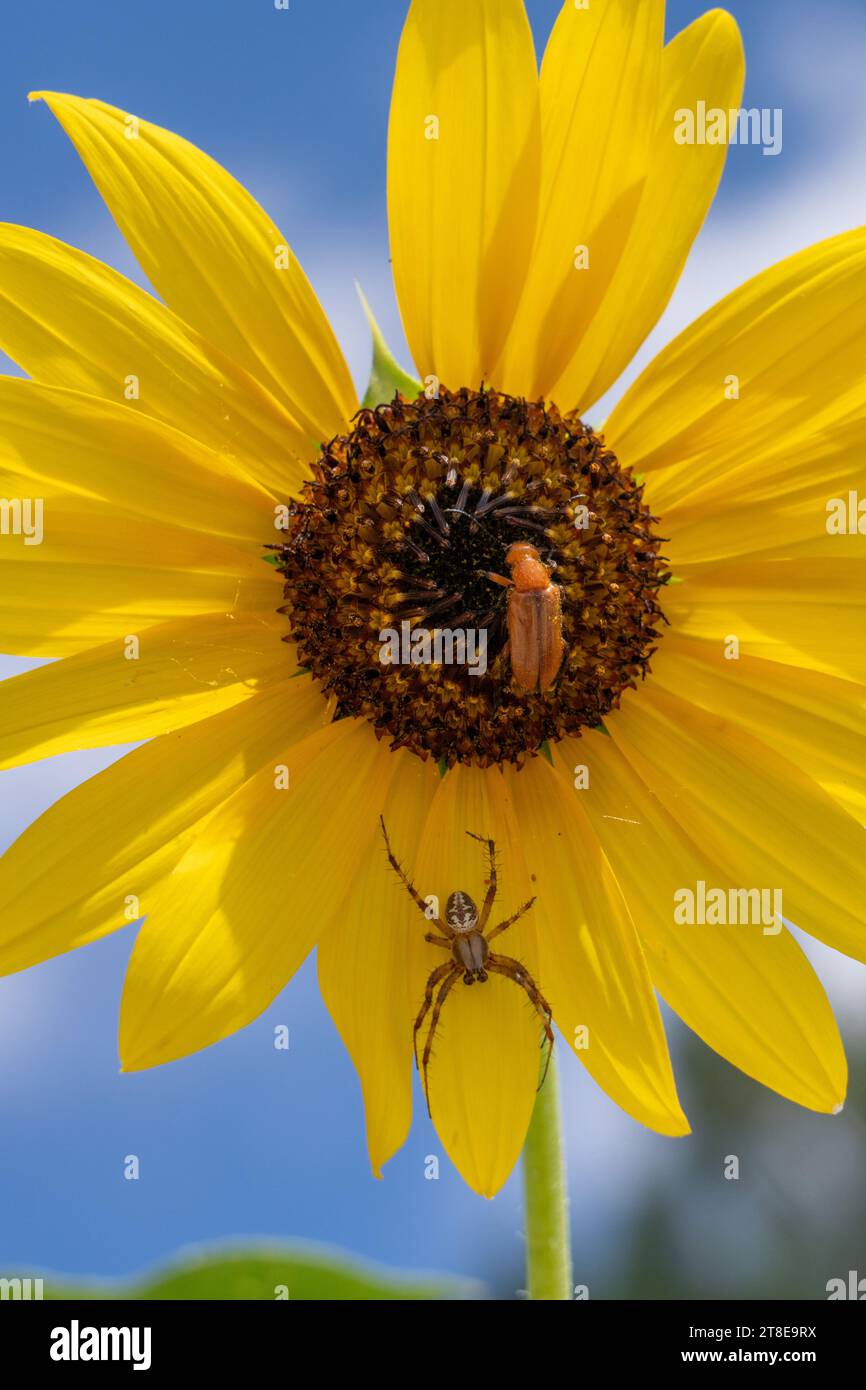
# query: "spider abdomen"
461,914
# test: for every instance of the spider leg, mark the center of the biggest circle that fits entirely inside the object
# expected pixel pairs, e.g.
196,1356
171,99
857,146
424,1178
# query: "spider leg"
410,887
509,922
445,989
437,941
513,970
435,977
491,882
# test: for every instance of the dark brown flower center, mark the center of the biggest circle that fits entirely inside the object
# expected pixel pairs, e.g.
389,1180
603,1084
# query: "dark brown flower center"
395,540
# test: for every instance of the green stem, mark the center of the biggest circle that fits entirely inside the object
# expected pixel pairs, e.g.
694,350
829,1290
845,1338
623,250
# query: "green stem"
548,1238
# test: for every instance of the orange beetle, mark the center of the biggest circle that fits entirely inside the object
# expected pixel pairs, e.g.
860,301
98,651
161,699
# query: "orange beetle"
534,618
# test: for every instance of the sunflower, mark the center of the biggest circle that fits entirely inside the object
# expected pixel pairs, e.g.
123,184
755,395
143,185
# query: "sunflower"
704,733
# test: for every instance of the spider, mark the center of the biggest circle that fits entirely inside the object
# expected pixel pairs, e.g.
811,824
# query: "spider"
463,935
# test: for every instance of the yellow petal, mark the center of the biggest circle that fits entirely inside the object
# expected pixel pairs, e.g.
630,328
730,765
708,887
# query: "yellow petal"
462,180
215,257
372,950
68,320
599,97
66,444
103,576
484,1068
250,897
88,865
753,811
793,497
595,976
774,362
803,612
703,63
753,998
178,673
816,721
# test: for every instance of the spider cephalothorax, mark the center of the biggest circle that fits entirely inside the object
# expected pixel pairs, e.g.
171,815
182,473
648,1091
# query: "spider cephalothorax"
463,932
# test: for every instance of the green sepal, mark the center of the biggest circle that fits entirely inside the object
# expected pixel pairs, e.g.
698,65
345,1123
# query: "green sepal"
387,378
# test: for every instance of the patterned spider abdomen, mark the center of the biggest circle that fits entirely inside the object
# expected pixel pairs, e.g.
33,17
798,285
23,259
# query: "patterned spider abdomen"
461,913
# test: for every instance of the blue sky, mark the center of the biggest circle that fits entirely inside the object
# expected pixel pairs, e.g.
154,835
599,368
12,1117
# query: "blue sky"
243,1139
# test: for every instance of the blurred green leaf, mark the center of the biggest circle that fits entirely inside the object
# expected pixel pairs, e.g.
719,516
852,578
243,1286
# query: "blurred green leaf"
266,1271
386,375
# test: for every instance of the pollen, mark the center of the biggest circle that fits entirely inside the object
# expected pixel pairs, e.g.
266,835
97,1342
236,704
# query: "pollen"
406,525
